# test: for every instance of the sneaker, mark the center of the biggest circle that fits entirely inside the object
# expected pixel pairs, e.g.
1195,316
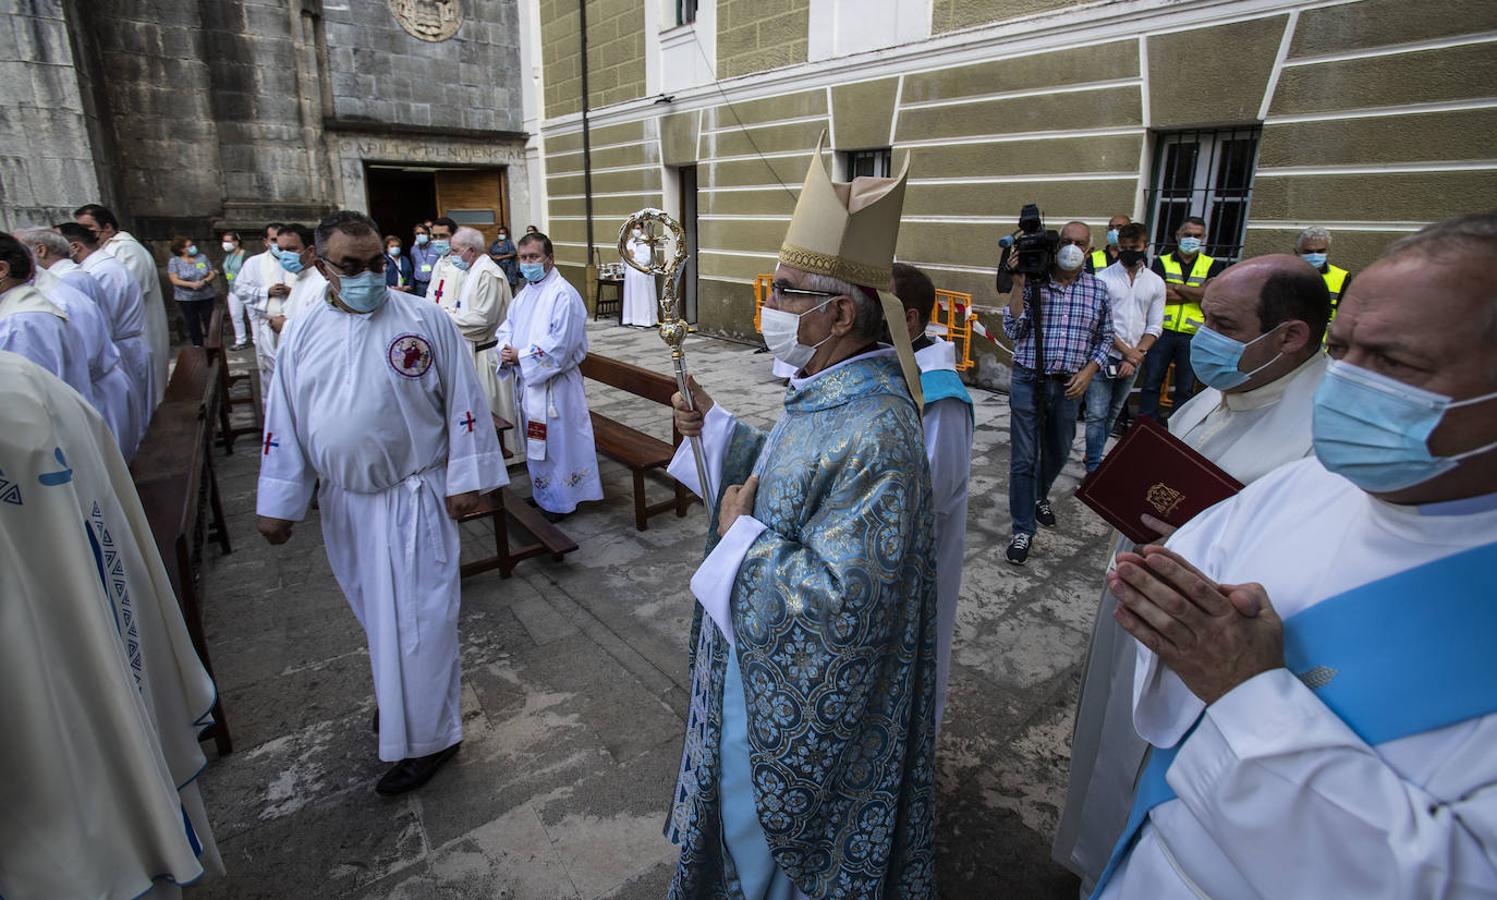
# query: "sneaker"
1018,549
1043,514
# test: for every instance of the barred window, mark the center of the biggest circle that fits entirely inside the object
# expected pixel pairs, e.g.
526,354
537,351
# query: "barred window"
1205,173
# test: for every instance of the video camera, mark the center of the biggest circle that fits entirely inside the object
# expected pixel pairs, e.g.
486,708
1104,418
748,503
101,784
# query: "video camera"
1034,246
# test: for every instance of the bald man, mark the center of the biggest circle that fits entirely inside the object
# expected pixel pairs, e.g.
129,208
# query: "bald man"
1260,353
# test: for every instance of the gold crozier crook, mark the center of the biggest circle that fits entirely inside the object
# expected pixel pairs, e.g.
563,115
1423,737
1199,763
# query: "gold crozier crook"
667,241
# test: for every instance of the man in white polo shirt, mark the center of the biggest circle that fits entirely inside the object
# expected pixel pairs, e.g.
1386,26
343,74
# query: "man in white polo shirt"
1136,296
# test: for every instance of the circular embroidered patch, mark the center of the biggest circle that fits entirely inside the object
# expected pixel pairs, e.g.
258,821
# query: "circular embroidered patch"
409,355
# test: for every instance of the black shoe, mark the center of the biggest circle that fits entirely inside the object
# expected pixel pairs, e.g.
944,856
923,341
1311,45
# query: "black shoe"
1018,549
1043,514
553,517
242,345
409,774
375,726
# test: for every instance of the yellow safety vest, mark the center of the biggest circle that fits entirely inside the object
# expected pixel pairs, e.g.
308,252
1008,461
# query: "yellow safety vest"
1185,317
1335,280
1099,260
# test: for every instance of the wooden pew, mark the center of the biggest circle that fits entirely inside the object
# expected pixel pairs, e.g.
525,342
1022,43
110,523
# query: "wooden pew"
635,449
228,397
173,474
502,509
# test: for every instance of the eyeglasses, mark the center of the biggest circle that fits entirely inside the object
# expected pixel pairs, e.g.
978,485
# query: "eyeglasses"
779,291
351,269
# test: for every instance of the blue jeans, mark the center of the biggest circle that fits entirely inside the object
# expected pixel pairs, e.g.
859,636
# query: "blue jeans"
419,288
1104,400
1172,347
1027,484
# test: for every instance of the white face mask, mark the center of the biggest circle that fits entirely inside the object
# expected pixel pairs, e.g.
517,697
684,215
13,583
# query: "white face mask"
1070,257
228,246
782,335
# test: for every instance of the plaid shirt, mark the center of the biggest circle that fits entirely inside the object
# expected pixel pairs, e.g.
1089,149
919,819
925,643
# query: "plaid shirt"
1077,326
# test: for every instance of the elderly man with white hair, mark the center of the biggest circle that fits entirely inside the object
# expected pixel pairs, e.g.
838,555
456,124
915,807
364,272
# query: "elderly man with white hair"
1314,247
479,304
78,295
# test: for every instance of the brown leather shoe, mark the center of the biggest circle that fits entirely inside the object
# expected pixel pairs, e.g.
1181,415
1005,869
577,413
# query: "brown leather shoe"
412,772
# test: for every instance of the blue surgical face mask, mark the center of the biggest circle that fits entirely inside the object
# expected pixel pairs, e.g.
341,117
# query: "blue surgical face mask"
462,264
393,251
192,249
1190,246
290,260
533,271
1316,260
1112,236
422,239
1374,430
364,292
1215,358
442,247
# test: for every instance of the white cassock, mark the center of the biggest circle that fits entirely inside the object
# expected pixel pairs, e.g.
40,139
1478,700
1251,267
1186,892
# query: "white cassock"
124,308
36,328
446,280
385,410
1277,797
103,692
1248,434
255,280
133,255
477,307
89,331
948,448
547,326
640,304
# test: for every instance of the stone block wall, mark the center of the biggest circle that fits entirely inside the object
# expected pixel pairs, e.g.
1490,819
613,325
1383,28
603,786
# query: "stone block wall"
758,35
47,164
953,15
615,54
382,74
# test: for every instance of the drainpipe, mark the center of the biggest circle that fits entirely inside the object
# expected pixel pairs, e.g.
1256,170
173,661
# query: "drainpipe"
587,166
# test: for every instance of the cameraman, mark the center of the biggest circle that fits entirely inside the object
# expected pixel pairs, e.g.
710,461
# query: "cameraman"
1076,328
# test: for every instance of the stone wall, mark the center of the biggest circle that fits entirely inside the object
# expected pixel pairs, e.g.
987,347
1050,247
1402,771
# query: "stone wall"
952,15
758,35
46,158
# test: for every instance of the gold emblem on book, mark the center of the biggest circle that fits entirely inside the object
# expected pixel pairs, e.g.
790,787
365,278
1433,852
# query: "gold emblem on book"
429,20
1164,499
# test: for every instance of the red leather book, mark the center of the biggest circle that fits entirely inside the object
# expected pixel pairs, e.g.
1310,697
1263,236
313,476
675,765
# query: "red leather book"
1152,471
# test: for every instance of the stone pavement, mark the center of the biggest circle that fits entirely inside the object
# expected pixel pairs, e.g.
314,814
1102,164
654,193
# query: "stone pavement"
575,688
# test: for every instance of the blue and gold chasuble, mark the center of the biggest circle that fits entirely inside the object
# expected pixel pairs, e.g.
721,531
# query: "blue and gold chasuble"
833,613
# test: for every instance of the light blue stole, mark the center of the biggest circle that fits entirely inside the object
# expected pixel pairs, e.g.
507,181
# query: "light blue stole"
1407,654
943,384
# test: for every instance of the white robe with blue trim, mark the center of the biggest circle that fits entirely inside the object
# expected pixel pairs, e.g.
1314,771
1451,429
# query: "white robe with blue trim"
103,693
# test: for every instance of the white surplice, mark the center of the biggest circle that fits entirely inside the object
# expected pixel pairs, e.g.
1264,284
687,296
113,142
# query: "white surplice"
36,328
477,307
446,280
259,274
1277,796
547,326
1248,434
948,448
124,307
385,410
142,267
640,304
90,333
103,692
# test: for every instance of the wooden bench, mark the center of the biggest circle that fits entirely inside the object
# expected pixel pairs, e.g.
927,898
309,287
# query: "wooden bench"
173,474
503,509
635,449
228,397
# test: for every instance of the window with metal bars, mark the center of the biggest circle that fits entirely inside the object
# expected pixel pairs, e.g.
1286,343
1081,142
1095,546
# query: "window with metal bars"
686,12
1206,173
871,163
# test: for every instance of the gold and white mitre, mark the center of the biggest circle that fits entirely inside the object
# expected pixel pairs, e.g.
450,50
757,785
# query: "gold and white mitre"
848,230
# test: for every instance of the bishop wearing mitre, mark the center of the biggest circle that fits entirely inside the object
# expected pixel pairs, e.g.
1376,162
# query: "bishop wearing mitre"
808,761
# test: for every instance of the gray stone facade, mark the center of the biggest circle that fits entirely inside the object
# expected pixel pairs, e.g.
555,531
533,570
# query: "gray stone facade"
189,115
